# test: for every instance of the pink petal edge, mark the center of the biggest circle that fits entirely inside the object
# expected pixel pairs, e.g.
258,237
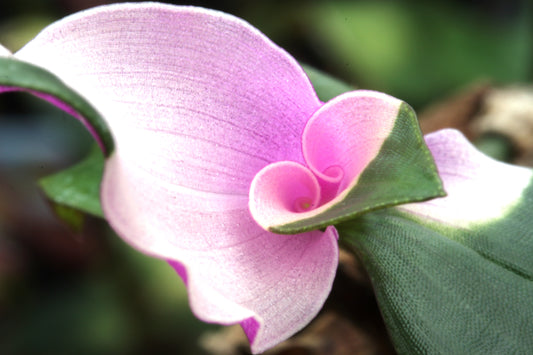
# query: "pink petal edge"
198,102
299,262
479,189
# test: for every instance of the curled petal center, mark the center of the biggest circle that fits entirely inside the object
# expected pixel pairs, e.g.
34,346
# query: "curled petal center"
338,143
334,172
303,204
281,190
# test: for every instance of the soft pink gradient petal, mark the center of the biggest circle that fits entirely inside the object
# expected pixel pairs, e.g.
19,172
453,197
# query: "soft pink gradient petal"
196,97
198,102
338,142
346,134
281,191
265,288
234,269
479,189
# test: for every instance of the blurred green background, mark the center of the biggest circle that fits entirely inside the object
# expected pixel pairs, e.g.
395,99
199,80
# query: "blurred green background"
64,291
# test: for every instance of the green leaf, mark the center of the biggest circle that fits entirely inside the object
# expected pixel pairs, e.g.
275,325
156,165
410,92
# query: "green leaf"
326,86
21,76
445,290
79,186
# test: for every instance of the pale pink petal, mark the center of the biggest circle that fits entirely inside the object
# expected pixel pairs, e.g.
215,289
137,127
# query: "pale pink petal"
196,97
346,134
339,141
297,262
281,192
198,102
479,189
234,269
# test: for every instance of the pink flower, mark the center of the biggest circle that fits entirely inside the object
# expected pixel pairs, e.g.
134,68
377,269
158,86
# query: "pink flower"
201,104
220,140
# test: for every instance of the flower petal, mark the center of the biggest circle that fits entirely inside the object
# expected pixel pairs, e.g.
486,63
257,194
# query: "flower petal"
198,102
347,133
281,191
366,150
284,294
233,268
480,189
222,95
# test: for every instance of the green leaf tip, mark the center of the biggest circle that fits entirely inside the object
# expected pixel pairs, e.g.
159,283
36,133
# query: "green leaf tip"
78,187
